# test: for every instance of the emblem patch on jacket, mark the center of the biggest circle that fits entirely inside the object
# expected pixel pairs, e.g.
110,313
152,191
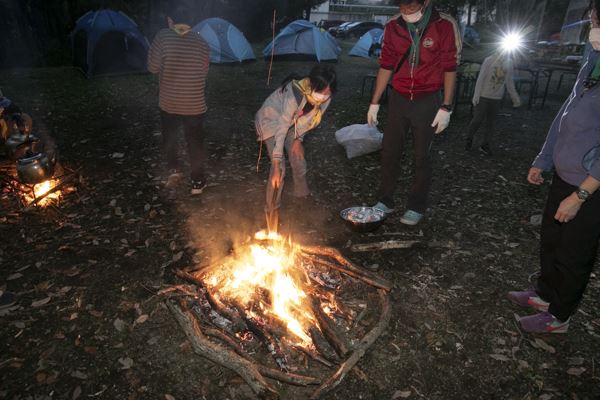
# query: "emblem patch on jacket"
428,42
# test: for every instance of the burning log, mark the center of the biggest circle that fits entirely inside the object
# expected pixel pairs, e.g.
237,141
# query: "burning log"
313,355
359,351
322,346
258,329
336,338
222,355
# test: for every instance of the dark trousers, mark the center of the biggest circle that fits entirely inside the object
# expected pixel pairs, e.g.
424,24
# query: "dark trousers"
193,130
406,116
485,113
567,251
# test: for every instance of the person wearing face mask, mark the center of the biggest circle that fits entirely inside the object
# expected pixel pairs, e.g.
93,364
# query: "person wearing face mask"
570,230
495,74
420,54
285,117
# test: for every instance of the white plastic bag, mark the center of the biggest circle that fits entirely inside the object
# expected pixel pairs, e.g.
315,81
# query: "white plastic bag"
359,139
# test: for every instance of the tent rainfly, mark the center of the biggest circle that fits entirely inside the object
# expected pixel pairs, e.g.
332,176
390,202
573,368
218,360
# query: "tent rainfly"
369,44
301,40
107,41
227,43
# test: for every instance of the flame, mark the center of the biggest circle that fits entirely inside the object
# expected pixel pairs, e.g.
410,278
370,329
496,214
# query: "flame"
41,189
267,269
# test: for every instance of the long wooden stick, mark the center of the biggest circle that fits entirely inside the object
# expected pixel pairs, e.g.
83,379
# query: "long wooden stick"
361,348
272,50
387,245
222,355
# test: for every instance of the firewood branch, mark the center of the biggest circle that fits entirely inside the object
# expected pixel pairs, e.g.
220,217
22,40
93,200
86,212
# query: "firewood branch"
222,355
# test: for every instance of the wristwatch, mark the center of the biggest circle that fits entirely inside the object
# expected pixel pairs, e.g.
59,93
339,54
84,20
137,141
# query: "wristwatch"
582,194
446,107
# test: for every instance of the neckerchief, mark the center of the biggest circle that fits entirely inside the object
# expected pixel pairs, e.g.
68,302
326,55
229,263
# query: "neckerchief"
181,29
416,32
304,86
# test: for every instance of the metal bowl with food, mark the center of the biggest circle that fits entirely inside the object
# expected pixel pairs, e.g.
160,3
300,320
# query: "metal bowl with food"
363,219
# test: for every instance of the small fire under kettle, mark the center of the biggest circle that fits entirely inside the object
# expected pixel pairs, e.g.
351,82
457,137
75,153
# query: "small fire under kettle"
35,168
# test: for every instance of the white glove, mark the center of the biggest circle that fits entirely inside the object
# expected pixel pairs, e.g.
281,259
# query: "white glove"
441,120
475,101
372,115
517,103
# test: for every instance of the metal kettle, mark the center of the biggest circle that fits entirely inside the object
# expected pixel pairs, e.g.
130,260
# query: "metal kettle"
35,168
18,144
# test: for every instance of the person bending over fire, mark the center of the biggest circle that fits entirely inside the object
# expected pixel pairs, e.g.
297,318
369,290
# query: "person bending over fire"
289,113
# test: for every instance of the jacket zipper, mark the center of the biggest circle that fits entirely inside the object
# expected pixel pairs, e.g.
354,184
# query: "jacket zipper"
412,66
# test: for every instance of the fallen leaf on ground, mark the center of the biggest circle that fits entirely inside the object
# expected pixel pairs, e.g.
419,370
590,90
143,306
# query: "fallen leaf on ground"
119,324
576,371
401,394
499,357
126,362
39,303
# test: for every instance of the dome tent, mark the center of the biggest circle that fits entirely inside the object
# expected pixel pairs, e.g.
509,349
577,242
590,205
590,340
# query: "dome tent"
227,43
107,41
370,40
303,40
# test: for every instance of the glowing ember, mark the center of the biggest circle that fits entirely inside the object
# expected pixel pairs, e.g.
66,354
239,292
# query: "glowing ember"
267,270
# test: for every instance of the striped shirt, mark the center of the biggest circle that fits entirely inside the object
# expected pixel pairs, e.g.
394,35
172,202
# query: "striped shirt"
181,62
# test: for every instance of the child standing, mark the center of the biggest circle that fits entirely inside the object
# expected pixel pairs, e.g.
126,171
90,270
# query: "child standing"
495,74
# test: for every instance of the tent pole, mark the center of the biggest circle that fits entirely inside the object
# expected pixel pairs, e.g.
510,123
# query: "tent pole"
272,50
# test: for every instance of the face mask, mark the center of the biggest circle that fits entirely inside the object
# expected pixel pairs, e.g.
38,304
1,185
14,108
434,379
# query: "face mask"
595,38
414,17
321,98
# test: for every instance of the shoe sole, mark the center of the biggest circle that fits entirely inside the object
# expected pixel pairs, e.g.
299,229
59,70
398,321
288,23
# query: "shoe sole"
410,222
196,192
538,307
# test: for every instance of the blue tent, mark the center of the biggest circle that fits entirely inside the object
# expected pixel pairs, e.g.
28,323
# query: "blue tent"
227,43
369,44
107,41
303,40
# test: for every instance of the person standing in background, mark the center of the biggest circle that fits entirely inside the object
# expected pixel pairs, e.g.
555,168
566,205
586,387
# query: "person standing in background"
420,54
181,58
495,74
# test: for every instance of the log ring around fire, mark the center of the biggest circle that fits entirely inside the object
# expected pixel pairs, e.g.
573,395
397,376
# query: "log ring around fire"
227,352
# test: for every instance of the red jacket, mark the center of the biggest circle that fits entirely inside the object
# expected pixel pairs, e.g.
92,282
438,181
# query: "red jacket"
439,52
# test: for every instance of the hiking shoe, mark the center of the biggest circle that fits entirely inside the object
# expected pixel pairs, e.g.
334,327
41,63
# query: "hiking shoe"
468,144
528,298
411,217
384,208
173,179
544,322
485,149
197,187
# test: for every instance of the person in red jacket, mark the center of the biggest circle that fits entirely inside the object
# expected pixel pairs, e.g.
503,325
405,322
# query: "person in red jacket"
420,53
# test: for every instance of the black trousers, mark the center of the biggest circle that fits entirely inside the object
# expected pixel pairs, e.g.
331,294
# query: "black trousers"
567,251
406,116
193,130
485,112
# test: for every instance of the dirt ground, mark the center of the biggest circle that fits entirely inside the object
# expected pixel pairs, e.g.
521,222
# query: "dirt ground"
87,321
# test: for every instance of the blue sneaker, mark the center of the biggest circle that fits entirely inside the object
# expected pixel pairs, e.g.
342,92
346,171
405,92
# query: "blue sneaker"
384,208
544,322
411,217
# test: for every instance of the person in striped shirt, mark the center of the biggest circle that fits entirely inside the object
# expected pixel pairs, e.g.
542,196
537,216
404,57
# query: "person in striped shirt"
180,58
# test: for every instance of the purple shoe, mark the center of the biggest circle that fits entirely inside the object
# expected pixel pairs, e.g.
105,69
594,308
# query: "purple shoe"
528,298
544,322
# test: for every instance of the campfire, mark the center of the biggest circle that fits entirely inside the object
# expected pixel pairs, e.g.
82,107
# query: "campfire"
302,315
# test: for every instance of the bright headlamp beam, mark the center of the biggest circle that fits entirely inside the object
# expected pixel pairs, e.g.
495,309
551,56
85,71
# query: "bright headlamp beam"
511,42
